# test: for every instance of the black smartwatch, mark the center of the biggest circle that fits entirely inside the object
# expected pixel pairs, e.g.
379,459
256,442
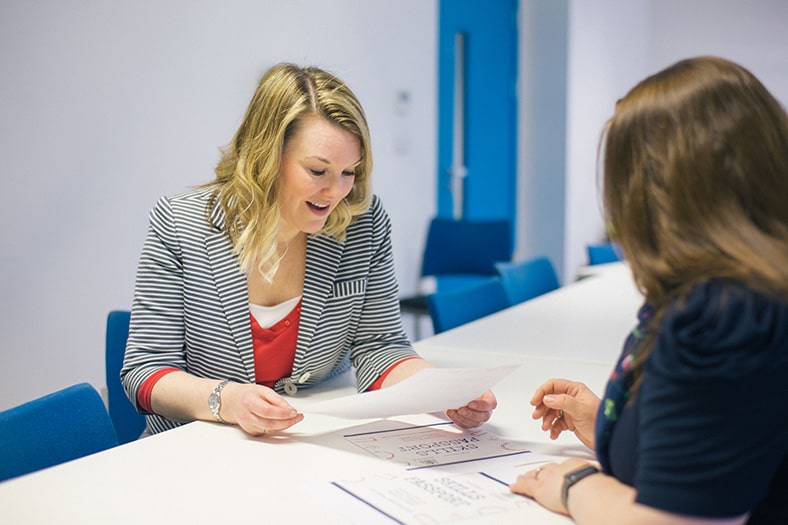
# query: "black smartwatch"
573,477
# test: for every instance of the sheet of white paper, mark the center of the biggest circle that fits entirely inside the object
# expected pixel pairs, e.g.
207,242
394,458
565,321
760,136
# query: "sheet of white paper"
429,390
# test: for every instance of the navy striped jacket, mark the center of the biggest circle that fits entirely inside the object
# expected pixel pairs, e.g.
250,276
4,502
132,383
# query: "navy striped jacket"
191,306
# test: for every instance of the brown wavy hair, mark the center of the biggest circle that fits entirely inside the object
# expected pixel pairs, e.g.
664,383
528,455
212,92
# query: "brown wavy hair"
695,175
695,180
247,176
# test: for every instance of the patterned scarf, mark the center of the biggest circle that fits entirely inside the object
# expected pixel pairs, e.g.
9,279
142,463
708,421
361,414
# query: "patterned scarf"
619,387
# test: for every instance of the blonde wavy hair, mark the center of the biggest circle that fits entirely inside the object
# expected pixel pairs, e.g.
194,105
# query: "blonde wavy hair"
247,185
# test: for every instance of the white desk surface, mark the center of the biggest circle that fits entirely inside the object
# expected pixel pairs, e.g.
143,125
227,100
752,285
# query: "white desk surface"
210,473
587,320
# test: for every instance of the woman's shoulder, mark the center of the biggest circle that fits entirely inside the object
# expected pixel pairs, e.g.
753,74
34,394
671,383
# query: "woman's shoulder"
185,208
371,220
195,199
376,208
722,327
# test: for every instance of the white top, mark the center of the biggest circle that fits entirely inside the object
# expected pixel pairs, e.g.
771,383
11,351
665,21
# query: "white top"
268,316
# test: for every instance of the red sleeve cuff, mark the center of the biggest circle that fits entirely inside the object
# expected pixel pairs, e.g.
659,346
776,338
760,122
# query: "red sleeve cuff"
143,394
377,385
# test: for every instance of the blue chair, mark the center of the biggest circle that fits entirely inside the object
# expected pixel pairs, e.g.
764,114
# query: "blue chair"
129,423
527,279
65,425
459,253
457,307
603,253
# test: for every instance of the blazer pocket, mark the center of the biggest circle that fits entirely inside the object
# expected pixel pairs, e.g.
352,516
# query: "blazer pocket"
349,288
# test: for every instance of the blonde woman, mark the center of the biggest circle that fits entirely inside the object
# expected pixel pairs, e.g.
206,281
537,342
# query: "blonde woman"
276,275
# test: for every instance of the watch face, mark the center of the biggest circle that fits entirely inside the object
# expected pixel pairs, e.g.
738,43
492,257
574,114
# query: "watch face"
213,402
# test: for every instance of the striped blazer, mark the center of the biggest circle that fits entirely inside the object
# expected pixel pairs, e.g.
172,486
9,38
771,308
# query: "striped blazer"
191,305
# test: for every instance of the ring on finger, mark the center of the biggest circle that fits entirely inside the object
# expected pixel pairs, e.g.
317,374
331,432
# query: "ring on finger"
560,414
536,472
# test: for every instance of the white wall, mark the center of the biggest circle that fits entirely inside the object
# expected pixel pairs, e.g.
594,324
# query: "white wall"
613,44
106,105
542,126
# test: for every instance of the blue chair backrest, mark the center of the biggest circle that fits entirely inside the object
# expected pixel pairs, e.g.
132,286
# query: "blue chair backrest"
527,279
457,307
466,247
129,423
603,253
65,425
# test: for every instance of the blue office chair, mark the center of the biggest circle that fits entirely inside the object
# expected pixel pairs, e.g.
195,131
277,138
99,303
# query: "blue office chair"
525,280
459,253
457,307
65,425
129,423
603,253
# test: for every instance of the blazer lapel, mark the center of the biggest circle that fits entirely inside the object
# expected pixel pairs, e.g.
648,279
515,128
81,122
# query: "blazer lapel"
322,259
232,290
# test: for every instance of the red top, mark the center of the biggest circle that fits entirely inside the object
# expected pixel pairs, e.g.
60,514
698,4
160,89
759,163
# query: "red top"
274,353
275,348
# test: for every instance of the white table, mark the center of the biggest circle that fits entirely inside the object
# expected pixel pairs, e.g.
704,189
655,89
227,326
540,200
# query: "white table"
210,473
587,320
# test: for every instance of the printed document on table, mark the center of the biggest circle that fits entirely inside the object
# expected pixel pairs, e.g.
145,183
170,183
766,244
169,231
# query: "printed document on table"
472,493
433,497
439,443
449,475
429,390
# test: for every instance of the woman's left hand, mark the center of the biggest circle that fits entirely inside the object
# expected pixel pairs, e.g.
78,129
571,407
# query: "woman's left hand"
544,484
475,413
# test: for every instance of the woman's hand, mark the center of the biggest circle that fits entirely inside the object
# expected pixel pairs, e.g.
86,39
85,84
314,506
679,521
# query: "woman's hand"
257,409
545,483
566,405
472,415
475,413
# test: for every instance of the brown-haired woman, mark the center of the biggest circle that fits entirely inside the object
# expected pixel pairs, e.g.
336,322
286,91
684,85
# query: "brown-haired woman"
693,427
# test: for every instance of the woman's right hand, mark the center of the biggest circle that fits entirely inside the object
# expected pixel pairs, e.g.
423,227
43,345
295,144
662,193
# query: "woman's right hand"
566,405
257,409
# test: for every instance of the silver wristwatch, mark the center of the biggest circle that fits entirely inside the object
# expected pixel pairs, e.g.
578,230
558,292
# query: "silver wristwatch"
215,400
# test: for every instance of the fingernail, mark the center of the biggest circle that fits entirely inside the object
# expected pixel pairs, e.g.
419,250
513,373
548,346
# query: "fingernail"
548,399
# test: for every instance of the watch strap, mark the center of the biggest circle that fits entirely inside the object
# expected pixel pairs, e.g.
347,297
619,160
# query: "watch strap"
573,477
215,400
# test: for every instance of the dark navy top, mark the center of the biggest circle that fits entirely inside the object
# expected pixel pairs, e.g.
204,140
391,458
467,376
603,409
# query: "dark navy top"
706,433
